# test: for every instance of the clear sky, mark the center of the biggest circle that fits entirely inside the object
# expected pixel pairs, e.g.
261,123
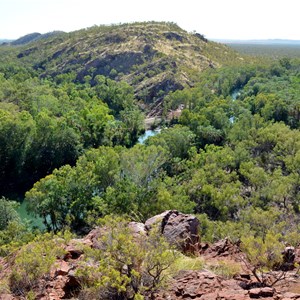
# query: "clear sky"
219,19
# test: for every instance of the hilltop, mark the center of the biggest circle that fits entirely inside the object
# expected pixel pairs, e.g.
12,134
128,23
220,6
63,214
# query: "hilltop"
35,36
155,58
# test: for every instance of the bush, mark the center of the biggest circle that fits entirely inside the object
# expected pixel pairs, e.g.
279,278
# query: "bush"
263,256
124,267
8,212
33,262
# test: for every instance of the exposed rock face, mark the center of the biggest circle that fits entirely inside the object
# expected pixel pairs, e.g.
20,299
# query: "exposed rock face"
180,230
221,248
204,285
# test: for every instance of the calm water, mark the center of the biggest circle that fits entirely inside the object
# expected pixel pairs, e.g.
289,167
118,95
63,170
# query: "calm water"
147,134
235,93
34,221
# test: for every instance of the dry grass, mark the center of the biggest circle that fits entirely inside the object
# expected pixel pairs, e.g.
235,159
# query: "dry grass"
225,268
188,263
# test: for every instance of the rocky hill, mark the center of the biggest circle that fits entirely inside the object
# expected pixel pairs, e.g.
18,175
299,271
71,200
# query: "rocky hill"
155,58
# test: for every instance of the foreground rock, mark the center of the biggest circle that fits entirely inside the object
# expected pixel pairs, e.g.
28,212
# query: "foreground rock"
205,285
180,230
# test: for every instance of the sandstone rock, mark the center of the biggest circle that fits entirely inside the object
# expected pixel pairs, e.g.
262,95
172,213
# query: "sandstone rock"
289,295
179,229
159,220
62,268
192,284
261,292
221,248
7,297
93,238
232,295
182,230
73,249
138,229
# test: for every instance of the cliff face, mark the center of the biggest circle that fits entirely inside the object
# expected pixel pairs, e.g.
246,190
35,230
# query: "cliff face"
155,58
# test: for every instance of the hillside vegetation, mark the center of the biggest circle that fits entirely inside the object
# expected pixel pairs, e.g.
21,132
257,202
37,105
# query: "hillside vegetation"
154,58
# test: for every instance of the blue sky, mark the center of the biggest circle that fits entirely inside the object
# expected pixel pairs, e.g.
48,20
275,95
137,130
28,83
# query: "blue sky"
222,19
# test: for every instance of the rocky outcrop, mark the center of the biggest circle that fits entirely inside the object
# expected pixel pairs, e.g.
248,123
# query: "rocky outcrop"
222,248
205,285
138,230
180,230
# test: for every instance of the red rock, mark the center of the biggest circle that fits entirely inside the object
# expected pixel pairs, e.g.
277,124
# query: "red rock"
221,248
159,220
138,230
267,292
73,251
7,297
179,229
261,292
62,268
289,295
233,295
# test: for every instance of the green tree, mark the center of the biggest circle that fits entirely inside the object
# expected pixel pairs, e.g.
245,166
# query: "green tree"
8,213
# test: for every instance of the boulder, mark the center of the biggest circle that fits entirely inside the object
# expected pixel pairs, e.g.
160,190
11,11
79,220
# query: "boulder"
138,230
261,292
222,248
288,258
73,249
159,220
94,237
62,268
180,230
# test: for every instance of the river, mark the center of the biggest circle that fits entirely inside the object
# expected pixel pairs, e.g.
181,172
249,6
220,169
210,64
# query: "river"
37,222
234,95
34,221
236,92
147,134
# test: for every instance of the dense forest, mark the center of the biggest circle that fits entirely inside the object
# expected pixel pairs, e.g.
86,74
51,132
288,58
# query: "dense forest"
71,115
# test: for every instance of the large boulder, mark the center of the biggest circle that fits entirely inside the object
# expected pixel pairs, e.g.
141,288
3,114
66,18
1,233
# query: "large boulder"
180,230
288,258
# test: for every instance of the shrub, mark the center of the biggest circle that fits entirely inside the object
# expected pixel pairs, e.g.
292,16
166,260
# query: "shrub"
124,266
33,262
8,212
263,256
